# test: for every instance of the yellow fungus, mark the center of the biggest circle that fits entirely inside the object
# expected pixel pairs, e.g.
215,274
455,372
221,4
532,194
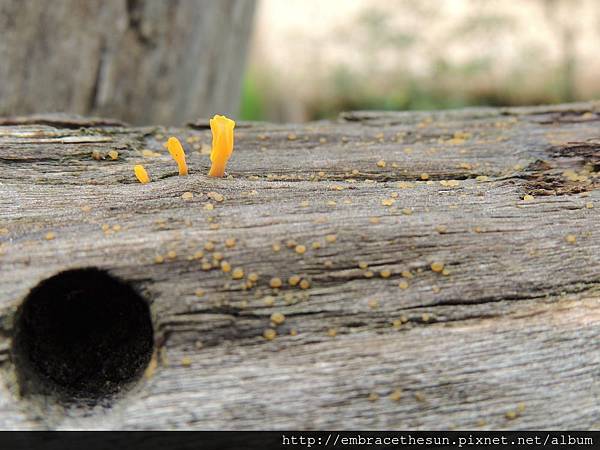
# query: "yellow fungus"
199,292
304,284
159,259
209,206
187,195
218,256
269,334
237,274
570,238
373,303
331,238
186,361
49,236
253,277
511,415
373,397
141,174
276,247
209,246
293,332
424,176
222,144
403,285
172,254
332,332
441,229
528,198
225,266
396,395
269,300
437,266
277,318
316,245
363,265
419,396
230,242
369,274
300,249
407,211
215,196
374,220
177,153
113,154
206,265
385,273
275,282
589,205
381,163
294,280
387,202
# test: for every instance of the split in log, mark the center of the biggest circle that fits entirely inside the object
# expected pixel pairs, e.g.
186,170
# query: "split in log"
428,270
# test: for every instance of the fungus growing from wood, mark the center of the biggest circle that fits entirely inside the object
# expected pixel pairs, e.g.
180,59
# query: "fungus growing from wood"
141,174
222,144
176,150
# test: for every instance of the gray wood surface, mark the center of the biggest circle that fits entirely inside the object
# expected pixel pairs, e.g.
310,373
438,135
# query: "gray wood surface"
142,61
508,339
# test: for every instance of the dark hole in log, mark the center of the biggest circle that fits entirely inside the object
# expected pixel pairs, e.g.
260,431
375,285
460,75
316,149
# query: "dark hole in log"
81,335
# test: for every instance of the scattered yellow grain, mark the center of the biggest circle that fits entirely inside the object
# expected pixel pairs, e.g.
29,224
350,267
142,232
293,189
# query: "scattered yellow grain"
373,397
374,220
332,332
589,205
424,176
294,280
387,202
331,238
225,266
253,277
300,249
113,154
199,292
277,318
369,274
528,198
276,247
187,195
403,285
437,266
385,273
237,274
49,236
373,303
304,284
396,395
158,259
316,245
269,334
209,206
209,246
275,282
186,361
571,238
511,415
419,396
230,242
407,211
381,163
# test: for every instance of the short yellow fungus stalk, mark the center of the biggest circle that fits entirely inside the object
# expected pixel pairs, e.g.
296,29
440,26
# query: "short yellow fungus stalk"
222,144
177,153
141,174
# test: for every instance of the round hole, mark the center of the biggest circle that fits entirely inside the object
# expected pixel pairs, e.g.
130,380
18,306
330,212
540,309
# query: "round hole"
81,335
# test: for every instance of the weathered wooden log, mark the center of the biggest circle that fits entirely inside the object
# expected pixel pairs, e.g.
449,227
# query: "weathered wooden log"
427,270
137,60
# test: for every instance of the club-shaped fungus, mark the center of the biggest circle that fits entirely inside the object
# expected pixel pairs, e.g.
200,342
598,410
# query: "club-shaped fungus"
176,150
222,144
141,174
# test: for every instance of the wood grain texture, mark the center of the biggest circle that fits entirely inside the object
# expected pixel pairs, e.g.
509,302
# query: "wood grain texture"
514,326
141,61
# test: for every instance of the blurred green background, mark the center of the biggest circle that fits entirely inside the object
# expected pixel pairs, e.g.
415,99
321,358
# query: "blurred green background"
312,59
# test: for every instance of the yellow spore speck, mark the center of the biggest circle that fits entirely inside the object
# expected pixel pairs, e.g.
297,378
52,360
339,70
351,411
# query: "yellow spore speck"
424,176
407,211
158,259
49,236
437,266
332,332
528,198
369,274
331,203
237,274
374,220
269,300
230,242
571,238
292,137
425,317
199,292
304,284
275,283
419,396
387,202
277,318
294,280
253,277
206,265
293,332
441,229
331,238
445,272
113,154
403,285
385,273
589,205
225,266
373,303
209,246
215,196
300,249
187,195
373,397
269,334
116,227
186,361
172,254
222,144
381,163
482,178
177,153
511,415
218,256
141,174
276,247
209,206
396,395
316,245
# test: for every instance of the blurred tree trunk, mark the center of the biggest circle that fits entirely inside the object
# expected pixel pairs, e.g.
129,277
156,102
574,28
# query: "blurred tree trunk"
143,61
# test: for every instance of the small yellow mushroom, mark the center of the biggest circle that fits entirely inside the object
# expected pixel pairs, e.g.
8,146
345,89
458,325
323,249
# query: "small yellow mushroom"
222,144
177,153
141,174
